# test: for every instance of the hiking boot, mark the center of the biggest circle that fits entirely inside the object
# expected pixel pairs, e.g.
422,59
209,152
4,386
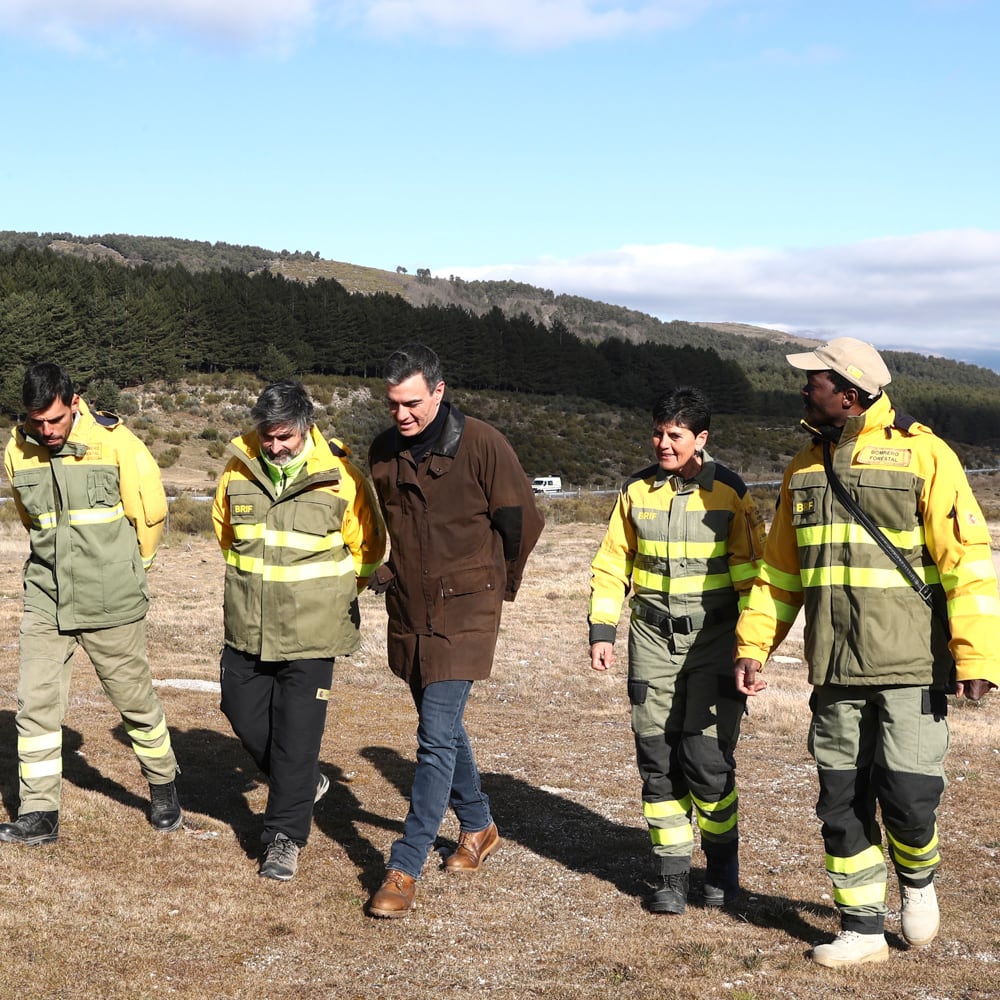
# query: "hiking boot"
473,849
851,948
671,895
322,787
395,896
164,807
32,828
920,916
281,859
722,879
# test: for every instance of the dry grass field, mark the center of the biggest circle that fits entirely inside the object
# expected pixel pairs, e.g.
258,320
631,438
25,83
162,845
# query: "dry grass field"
116,910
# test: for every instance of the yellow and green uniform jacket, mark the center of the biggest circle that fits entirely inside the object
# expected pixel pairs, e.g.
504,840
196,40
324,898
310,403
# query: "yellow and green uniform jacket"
864,622
94,510
687,548
295,560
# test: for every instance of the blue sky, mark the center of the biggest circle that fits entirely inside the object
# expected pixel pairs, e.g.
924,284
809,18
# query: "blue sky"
826,168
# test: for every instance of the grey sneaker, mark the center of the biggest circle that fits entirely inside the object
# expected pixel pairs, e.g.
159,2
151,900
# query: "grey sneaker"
851,948
322,787
281,859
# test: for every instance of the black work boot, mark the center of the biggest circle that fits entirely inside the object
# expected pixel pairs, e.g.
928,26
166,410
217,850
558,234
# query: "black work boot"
164,807
670,896
32,828
722,875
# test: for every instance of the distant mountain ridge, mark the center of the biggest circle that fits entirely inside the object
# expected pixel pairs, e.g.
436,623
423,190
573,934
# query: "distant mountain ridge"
587,318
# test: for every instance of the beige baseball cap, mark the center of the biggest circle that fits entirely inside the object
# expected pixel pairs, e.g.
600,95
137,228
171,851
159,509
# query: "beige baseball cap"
855,360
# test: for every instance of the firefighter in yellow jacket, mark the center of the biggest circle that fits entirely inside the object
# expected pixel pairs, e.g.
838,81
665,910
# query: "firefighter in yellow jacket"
880,659
90,496
301,533
685,536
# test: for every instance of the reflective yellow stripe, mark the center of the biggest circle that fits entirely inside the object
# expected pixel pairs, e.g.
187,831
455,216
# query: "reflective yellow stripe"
152,752
862,895
849,533
603,608
713,826
853,576
762,601
289,574
916,857
709,807
974,604
671,836
608,563
967,573
44,521
778,578
681,550
150,735
96,515
147,561
40,768
35,744
743,571
681,585
669,808
298,540
868,858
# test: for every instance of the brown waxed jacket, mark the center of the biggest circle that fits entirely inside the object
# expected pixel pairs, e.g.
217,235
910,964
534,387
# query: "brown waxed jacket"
461,527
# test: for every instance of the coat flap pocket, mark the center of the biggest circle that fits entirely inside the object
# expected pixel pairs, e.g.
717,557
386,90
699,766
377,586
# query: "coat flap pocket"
468,581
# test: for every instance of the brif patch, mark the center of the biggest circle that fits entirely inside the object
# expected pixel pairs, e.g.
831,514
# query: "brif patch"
805,507
322,694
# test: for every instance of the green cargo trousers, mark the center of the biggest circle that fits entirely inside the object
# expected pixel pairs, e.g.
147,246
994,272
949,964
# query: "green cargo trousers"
878,748
119,658
686,715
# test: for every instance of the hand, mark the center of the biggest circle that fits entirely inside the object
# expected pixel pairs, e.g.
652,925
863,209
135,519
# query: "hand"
747,680
973,690
381,580
602,655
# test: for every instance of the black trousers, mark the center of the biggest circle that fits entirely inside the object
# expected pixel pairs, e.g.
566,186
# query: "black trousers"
278,711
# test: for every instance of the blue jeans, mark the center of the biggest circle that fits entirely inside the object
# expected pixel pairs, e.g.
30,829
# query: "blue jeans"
446,774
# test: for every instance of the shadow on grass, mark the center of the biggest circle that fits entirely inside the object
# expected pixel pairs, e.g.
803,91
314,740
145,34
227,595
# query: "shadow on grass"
548,825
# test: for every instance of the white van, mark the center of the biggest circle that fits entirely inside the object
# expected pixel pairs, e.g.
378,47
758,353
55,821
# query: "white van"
546,484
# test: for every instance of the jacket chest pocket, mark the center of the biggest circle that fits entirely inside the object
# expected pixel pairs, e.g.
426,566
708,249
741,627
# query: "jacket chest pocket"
102,489
889,498
34,488
244,503
807,492
317,515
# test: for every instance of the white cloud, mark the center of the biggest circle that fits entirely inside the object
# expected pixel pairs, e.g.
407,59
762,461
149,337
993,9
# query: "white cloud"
921,292
72,25
524,23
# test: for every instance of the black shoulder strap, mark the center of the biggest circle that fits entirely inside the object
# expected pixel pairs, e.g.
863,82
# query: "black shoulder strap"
922,589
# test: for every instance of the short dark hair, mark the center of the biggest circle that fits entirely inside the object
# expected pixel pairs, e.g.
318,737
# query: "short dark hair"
43,384
685,406
410,360
841,384
283,402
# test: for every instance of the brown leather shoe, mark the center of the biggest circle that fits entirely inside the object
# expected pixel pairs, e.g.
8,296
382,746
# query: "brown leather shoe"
473,849
395,897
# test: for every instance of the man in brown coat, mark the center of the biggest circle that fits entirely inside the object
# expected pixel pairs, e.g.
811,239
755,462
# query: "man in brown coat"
462,520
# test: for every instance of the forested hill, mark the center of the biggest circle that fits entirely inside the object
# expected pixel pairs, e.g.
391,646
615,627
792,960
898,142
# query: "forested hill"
128,309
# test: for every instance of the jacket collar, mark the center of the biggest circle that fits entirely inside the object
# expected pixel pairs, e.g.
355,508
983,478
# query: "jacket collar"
879,414
447,441
319,468
704,478
76,443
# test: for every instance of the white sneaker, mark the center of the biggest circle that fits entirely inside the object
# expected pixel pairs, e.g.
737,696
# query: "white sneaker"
851,948
921,919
